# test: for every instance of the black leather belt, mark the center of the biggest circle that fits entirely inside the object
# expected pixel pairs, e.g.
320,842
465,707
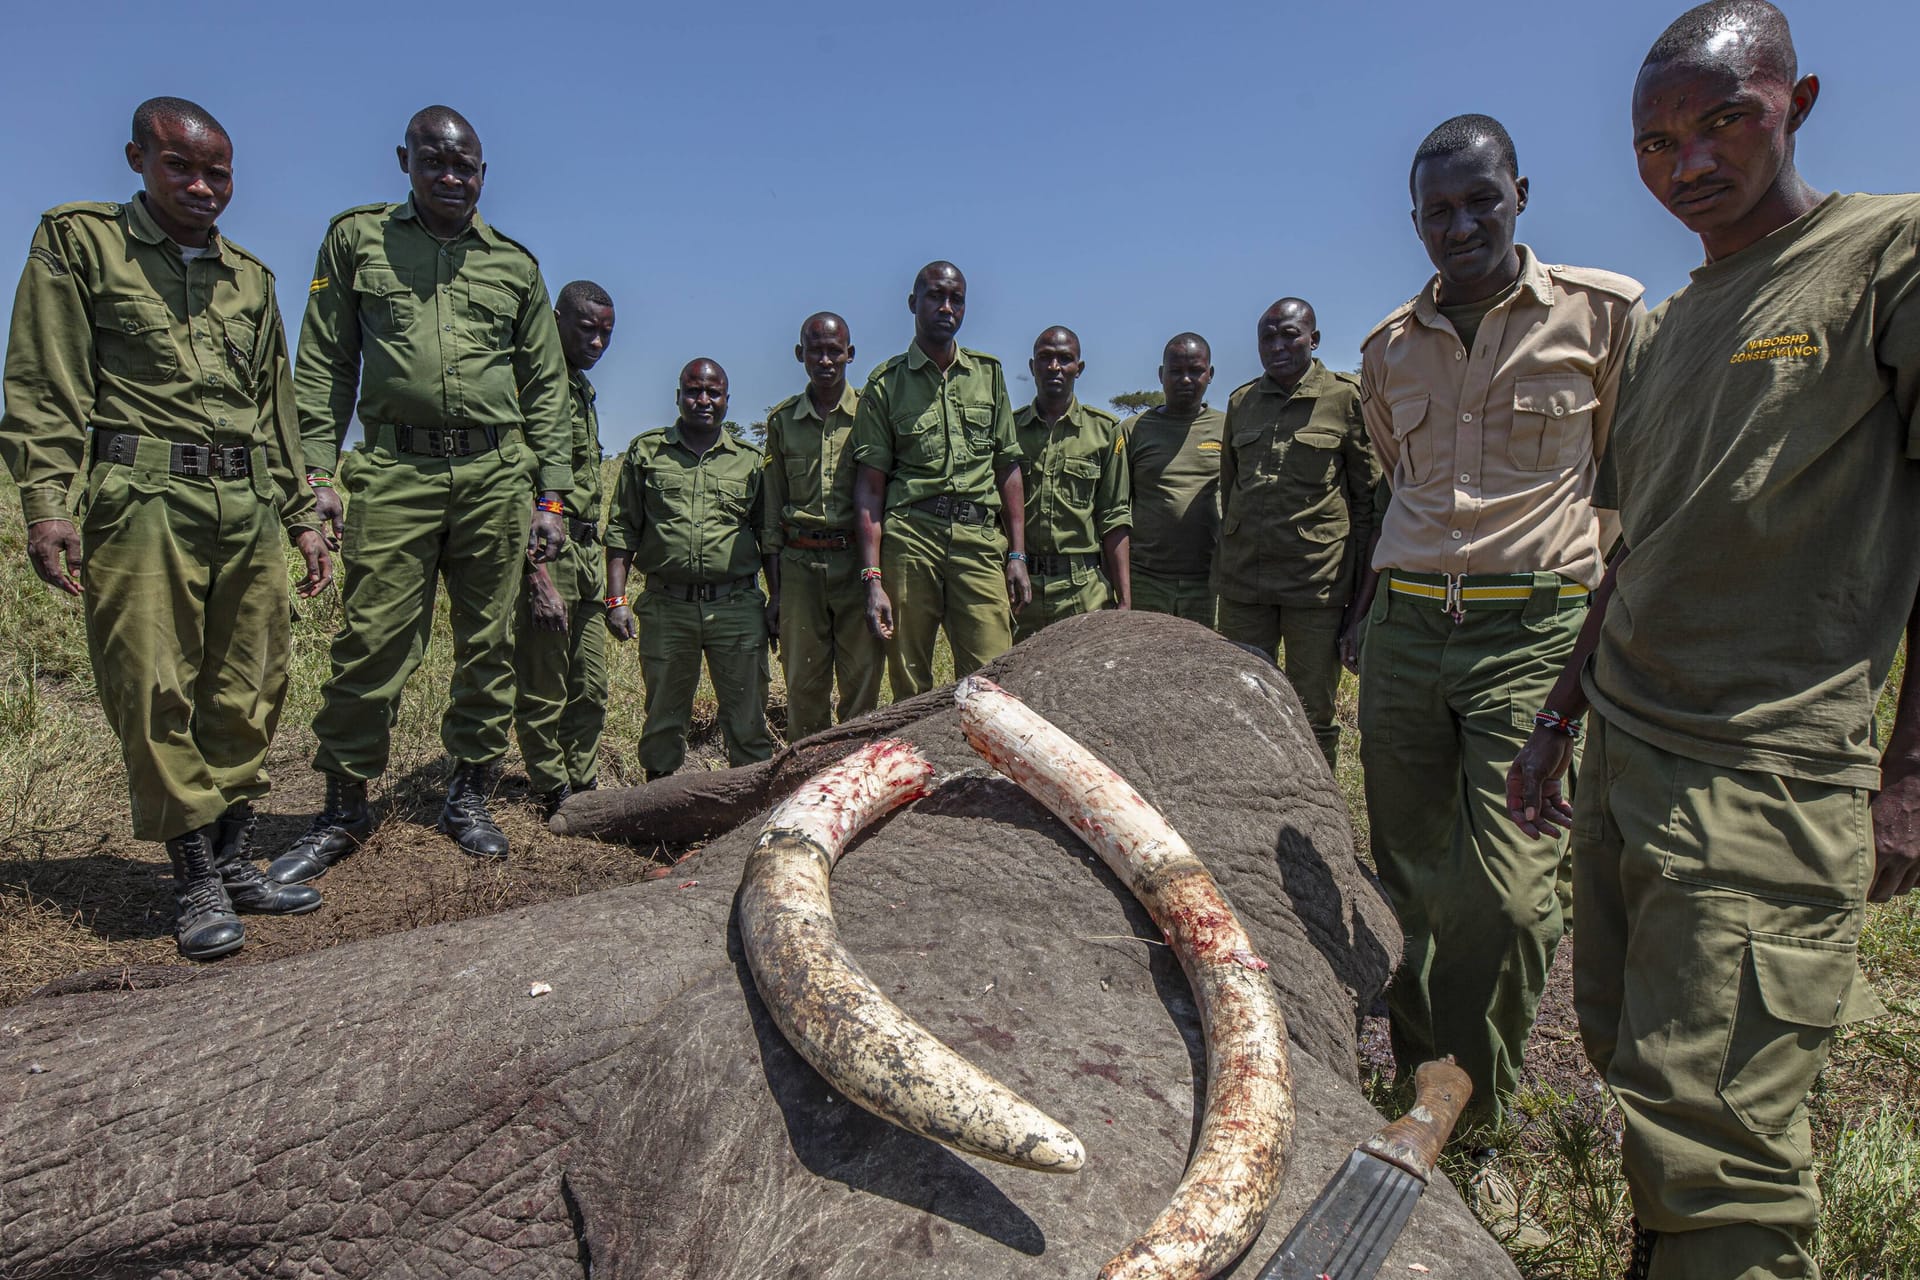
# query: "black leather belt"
803,539
958,510
584,532
445,442
223,460
700,590
1057,566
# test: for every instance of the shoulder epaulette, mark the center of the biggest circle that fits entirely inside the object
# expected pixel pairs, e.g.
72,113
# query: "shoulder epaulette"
1392,318
884,366
250,257
344,214
981,355
1100,414
1241,390
94,208
644,443
1352,379
515,243
783,406
1599,280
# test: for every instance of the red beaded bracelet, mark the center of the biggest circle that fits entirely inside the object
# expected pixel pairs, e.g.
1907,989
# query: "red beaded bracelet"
616,602
870,574
553,506
1548,718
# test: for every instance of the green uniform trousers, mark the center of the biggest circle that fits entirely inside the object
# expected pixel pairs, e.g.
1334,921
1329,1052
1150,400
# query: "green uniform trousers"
1310,637
824,635
1062,595
1189,598
188,625
943,575
732,635
561,704
1444,709
1719,912
411,520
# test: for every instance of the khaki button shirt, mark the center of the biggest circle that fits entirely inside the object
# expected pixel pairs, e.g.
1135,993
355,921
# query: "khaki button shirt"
430,335
809,480
689,518
1075,475
935,433
1296,492
1491,454
114,331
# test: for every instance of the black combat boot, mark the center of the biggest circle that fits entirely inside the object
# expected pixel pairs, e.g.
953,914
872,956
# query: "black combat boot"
336,832
1640,1262
465,815
248,888
204,926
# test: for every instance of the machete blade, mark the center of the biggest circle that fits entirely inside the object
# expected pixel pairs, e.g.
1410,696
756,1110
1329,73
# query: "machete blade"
1348,1231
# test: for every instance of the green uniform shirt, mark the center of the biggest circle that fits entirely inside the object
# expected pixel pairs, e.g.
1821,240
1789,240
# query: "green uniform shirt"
1296,491
429,335
583,502
114,331
1764,465
809,483
685,517
935,433
1175,468
1076,479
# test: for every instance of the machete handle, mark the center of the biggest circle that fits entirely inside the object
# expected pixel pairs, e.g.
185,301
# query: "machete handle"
1413,1142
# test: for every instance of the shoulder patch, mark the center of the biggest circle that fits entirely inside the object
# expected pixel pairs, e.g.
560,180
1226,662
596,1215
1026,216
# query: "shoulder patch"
1599,280
48,259
1208,446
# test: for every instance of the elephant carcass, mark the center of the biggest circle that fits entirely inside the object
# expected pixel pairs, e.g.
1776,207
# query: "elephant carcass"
403,1107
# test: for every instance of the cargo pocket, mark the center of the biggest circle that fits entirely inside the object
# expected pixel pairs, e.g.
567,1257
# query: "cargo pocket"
1793,993
1411,438
115,494
134,339
386,301
1550,413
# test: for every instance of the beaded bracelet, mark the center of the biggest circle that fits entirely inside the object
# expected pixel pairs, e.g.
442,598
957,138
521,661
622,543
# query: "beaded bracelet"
552,506
1021,556
1548,718
870,574
616,602
317,481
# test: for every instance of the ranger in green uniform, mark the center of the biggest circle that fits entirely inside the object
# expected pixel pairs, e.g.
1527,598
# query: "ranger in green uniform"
560,646
1735,812
1173,460
1073,466
441,328
147,354
687,514
1296,496
936,453
817,604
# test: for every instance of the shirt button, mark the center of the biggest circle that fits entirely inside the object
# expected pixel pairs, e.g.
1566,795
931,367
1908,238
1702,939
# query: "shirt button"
449,368
220,422
1460,355
447,327
1465,476
1559,411
1455,535
1466,417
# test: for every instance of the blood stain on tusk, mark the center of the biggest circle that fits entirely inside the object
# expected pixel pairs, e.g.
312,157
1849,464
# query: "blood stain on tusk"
1231,1180
870,1051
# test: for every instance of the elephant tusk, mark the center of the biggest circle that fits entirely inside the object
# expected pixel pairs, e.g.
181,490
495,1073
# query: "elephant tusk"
864,1045
1234,1173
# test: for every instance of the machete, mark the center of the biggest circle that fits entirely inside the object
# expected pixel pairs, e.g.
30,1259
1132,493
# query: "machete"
1346,1233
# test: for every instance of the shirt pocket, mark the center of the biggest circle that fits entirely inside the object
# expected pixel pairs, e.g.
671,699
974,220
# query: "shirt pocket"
241,336
1413,437
1549,412
133,338
492,311
977,424
1077,478
919,439
387,304
1311,460
729,497
1250,448
667,499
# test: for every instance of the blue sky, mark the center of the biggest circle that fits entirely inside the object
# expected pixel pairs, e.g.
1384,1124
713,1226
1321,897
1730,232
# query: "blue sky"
1128,169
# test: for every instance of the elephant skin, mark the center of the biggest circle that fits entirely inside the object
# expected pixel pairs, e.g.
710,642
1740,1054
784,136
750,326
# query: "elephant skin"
403,1107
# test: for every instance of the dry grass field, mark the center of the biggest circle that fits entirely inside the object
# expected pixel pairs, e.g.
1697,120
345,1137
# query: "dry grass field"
84,905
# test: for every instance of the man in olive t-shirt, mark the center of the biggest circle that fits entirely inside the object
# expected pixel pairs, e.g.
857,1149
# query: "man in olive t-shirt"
1766,465
1173,457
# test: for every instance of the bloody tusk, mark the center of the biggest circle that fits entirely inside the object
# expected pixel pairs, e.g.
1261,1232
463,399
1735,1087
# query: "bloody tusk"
1230,1183
864,1045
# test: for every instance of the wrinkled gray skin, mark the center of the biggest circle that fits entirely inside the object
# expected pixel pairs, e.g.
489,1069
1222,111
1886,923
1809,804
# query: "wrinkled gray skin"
401,1107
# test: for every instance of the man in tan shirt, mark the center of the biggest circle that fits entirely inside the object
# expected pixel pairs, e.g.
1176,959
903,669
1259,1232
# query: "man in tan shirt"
1488,398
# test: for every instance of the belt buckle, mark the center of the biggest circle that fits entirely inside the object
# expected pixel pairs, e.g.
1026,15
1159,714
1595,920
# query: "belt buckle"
195,460
1455,605
704,592
440,442
233,459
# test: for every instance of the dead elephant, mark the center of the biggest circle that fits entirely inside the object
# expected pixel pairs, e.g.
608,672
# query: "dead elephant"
403,1108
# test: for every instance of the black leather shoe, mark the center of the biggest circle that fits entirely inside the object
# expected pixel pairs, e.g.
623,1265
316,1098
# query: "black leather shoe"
248,888
204,925
551,801
465,815
335,832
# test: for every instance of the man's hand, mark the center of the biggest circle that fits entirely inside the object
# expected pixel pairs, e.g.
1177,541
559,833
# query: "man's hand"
773,620
548,609
879,611
54,548
1896,832
546,536
1019,586
313,549
332,513
620,622
1534,801
1350,645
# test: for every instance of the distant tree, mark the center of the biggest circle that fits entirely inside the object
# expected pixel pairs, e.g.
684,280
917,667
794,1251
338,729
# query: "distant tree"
754,433
1138,401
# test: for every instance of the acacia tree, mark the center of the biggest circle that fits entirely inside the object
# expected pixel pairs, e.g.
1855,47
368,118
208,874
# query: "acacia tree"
1138,401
